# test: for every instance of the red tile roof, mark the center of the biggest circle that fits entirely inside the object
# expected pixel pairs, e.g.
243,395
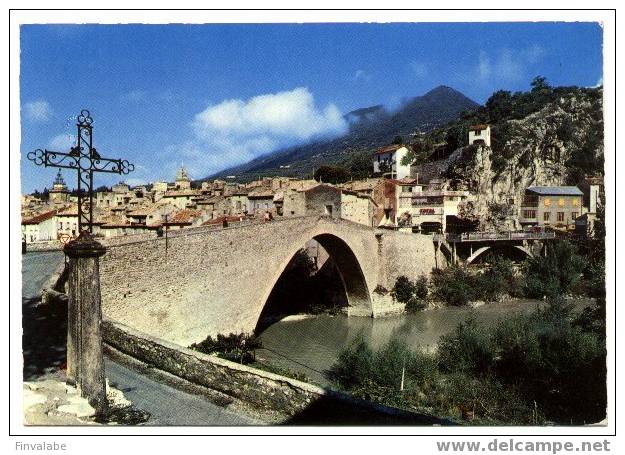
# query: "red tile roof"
478,127
388,149
184,216
40,218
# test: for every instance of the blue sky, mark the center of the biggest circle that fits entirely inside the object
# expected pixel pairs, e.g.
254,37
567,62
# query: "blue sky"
210,96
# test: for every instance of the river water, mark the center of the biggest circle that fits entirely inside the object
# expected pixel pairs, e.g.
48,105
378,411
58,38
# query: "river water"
310,345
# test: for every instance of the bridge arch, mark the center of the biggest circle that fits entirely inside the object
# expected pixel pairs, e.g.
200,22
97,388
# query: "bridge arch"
481,251
347,265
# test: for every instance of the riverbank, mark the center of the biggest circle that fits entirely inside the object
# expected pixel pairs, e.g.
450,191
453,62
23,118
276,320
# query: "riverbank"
309,345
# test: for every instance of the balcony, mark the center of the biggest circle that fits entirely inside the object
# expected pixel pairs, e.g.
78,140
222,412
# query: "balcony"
530,201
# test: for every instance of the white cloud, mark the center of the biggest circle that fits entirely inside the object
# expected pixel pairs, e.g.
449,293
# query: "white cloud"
507,65
38,111
361,75
284,115
134,96
235,131
62,142
484,67
419,69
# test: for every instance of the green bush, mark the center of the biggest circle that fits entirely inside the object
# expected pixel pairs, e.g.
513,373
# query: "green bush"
413,294
360,366
415,304
553,275
468,349
421,287
490,401
453,285
554,362
498,279
236,347
403,289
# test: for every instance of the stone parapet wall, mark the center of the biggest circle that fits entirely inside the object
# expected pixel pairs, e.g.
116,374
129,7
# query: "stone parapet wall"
261,389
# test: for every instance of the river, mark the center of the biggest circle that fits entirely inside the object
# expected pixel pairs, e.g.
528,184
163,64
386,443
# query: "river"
310,345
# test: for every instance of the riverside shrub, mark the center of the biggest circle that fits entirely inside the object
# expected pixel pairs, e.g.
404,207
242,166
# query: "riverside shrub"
468,349
236,347
453,285
527,369
413,294
553,275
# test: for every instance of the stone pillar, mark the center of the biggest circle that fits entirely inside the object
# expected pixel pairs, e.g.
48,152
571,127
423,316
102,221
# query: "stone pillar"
85,362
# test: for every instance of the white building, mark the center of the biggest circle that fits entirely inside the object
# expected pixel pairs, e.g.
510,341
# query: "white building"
40,228
388,161
479,134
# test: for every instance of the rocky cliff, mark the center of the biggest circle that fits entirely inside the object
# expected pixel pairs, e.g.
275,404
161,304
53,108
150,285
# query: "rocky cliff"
557,145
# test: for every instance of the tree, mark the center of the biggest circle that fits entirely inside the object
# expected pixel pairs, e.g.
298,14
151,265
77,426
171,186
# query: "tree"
332,174
499,106
360,165
539,84
398,140
554,275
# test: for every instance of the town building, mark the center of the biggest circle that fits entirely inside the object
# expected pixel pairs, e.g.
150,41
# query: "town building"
160,187
427,210
40,228
358,207
553,206
321,199
260,202
184,218
238,202
479,134
59,194
181,198
67,221
183,182
391,161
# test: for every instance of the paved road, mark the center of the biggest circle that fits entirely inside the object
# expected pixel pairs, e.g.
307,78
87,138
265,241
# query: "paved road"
44,345
37,268
167,405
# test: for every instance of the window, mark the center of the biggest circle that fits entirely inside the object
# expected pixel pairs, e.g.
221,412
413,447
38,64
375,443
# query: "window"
529,213
478,133
560,216
546,216
329,210
406,189
574,215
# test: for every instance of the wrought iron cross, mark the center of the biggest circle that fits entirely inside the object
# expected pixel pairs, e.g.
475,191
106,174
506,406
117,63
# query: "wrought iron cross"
85,159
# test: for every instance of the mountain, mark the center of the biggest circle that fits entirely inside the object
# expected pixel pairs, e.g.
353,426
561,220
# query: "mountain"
369,128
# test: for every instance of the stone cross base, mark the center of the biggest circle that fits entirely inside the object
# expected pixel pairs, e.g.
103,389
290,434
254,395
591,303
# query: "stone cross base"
85,362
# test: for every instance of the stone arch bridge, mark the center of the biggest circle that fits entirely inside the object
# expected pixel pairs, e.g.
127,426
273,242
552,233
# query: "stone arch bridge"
218,280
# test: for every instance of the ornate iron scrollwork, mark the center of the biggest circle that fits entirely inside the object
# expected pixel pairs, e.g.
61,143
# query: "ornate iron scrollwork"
85,159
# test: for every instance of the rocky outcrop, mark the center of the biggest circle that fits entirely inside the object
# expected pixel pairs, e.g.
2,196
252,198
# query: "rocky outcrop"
541,149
